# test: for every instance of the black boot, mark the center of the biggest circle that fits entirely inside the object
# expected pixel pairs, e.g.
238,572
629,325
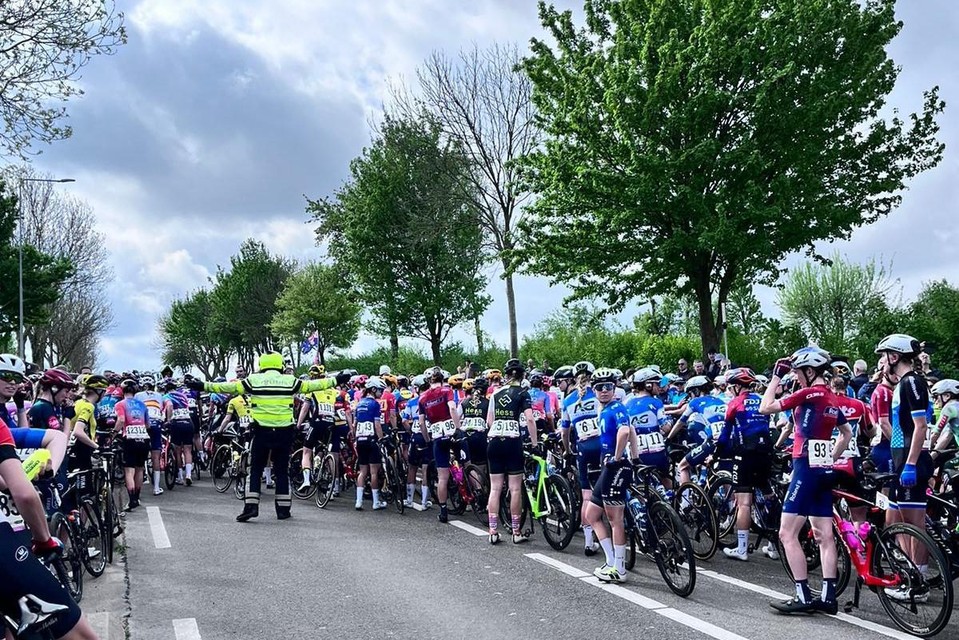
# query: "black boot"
249,511
282,513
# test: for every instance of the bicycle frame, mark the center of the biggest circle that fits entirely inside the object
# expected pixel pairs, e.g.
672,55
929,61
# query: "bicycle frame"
537,496
862,560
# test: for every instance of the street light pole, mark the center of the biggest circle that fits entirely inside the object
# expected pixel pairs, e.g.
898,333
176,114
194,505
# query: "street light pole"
21,180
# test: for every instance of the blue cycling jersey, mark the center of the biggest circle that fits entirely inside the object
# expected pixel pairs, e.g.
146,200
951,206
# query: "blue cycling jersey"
580,413
612,418
704,417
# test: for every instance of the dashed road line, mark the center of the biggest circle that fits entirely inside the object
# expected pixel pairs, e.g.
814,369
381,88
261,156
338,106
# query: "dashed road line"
160,538
186,629
468,528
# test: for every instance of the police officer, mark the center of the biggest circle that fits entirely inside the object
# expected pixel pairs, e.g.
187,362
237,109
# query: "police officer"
271,395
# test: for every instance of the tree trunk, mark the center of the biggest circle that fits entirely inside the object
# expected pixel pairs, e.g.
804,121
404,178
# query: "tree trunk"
707,323
394,343
480,347
511,311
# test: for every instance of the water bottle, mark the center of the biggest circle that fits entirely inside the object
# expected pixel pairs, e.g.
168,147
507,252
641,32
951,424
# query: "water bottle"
864,530
851,536
638,510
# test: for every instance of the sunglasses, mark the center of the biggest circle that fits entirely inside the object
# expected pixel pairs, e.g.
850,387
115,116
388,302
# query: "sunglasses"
12,378
604,386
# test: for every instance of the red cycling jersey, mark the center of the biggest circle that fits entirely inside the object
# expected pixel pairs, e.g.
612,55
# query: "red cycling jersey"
434,404
816,412
880,403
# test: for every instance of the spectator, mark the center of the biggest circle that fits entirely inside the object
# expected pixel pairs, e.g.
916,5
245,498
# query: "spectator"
925,362
859,376
714,368
683,370
699,369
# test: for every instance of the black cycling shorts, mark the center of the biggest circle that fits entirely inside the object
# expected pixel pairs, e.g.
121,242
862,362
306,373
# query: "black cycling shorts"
368,452
476,446
614,480
751,470
505,455
318,431
913,497
135,453
23,574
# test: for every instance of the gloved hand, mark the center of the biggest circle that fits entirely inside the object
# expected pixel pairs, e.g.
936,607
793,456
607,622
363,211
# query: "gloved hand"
908,476
782,367
51,547
19,397
538,450
194,384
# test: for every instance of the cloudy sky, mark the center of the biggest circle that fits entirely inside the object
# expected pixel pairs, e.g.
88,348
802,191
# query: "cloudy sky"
217,118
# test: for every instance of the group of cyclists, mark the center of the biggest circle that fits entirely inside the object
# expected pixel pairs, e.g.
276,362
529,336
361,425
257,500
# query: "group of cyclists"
606,423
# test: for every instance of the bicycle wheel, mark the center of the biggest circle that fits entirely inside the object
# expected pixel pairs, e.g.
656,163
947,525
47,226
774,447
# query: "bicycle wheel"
560,525
296,476
699,519
813,564
220,468
240,469
671,549
325,481
632,541
478,484
723,499
93,537
455,500
69,567
395,491
923,604
170,469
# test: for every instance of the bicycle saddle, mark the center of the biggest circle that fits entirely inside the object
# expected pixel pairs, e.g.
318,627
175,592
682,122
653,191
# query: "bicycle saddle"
35,615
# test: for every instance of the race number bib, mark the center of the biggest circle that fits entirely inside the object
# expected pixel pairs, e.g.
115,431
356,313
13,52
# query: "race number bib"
365,429
538,415
9,512
927,443
650,442
136,432
325,409
474,424
442,429
245,421
587,428
154,413
181,414
820,453
851,450
504,429
191,402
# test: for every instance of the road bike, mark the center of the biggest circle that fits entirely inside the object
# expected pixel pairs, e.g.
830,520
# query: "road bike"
231,462
102,485
548,499
335,466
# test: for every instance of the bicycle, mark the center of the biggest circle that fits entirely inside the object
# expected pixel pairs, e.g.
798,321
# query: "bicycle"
547,497
330,470
35,617
230,463
695,508
654,529
102,483
392,487
296,470
468,488
84,523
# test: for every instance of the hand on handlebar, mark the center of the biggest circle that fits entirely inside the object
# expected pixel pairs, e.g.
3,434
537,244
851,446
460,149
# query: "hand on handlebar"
51,547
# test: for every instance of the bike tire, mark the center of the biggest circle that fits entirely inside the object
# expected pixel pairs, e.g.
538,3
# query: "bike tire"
477,483
220,468
696,511
239,481
723,500
560,525
296,476
672,549
455,500
92,531
170,469
889,559
631,544
69,565
325,481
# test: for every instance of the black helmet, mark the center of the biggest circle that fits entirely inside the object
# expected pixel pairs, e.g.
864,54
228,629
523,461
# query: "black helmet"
563,373
513,365
480,385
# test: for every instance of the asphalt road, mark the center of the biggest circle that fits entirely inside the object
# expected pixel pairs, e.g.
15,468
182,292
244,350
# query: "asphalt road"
195,573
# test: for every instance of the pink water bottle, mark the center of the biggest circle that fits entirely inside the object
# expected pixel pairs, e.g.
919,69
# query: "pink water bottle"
864,530
849,533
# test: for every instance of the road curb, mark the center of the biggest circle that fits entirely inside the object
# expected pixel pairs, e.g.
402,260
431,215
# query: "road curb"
106,600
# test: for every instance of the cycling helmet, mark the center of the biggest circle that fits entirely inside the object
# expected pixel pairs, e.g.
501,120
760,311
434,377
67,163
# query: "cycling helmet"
10,363
375,383
582,368
719,380
402,380
563,373
841,369
385,369
646,375
96,381
672,378
698,382
548,381
420,381
743,376
493,375
618,373
763,380
270,361
216,379
57,379
317,370
948,385
513,365
389,379
536,377
434,374
468,384
167,384
457,380
148,381
603,375
362,380
812,357
899,343
480,385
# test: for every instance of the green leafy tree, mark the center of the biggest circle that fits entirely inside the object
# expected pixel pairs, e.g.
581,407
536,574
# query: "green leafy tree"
934,318
829,303
743,310
189,337
44,45
244,300
692,145
316,299
403,227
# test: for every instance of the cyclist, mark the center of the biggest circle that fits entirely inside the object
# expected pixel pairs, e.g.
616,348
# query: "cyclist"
367,431
746,432
648,419
563,379
609,497
85,424
53,388
271,393
703,418
475,409
438,412
193,402
945,393
176,413
510,411
849,466
132,426
880,405
542,403
420,453
319,410
580,418
816,413
153,400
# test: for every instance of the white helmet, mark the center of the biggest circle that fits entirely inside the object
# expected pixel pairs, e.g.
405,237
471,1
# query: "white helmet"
147,381
645,375
375,382
385,370
899,343
10,363
697,382
810,357
948,385
419,381
583,367
761,379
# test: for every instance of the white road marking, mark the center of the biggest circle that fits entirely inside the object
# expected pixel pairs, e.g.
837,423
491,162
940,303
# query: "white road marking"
637,598
186,629
742,584
160,539
468,528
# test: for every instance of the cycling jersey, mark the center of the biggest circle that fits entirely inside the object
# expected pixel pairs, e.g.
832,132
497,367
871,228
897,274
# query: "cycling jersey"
106,412
474,411
8,446
341,409
387,407
647,417
580,412
323,405
134,414
910,400
434,407
612,418
411,412
541,407
704,417
855,412
85,412
153,401
368,411
239,407
509,406
949,419
744,425
43,415
179,405
816,414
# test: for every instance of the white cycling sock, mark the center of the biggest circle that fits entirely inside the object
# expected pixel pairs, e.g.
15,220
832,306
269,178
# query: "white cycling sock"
588,534
376,496
156,480
607,545
410,490
189,469
359,495
742,539
619,556
425,491
269,474
306,475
